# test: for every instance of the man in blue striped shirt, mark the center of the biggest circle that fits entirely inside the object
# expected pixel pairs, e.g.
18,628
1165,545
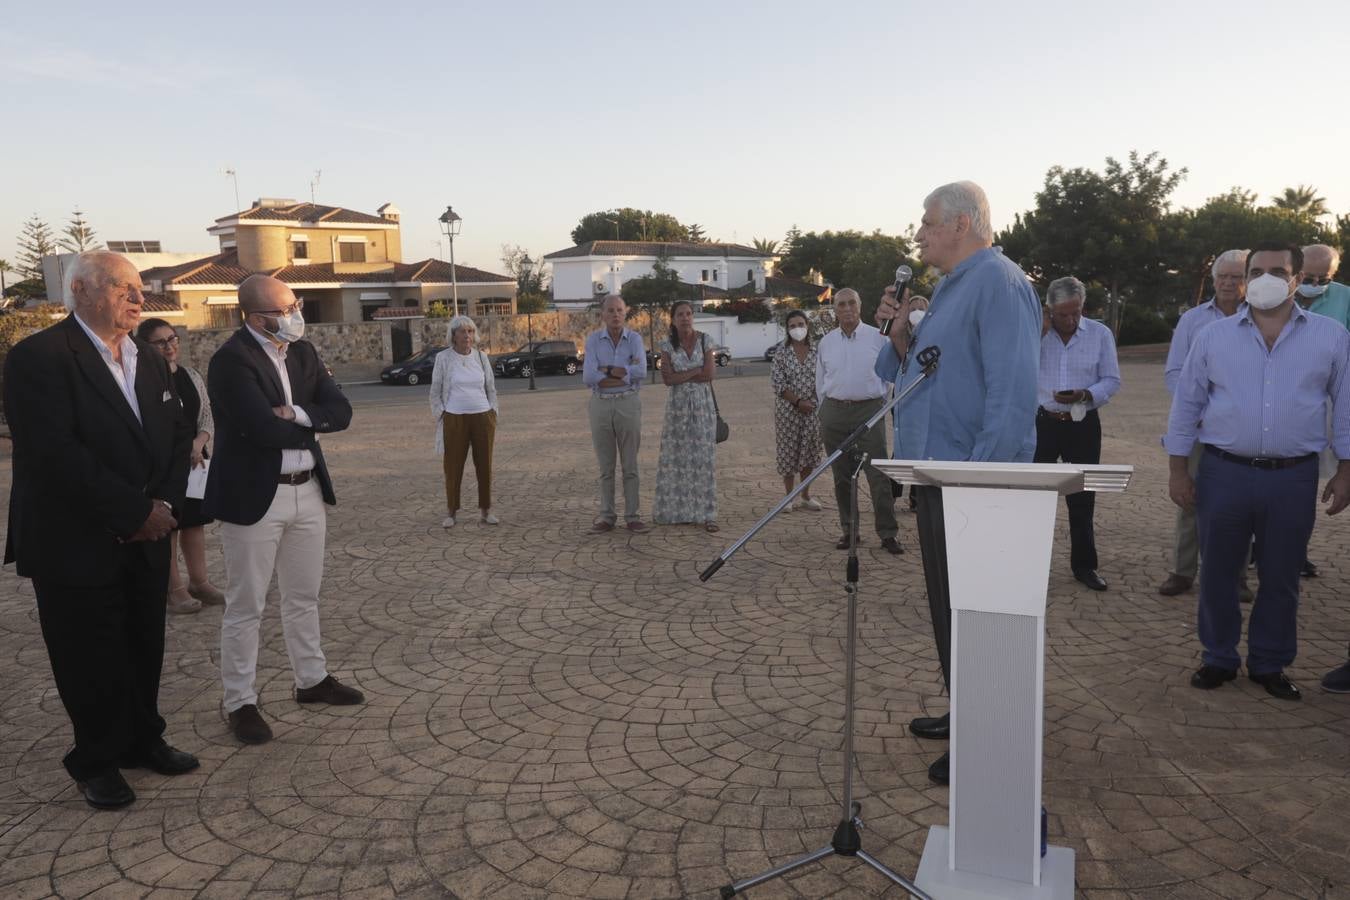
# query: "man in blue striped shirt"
1079,374
1254,391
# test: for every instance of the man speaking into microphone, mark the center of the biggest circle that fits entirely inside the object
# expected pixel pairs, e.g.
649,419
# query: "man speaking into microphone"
985,318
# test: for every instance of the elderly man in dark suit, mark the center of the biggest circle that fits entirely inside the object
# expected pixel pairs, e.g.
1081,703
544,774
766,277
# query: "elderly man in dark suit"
100,467
272,397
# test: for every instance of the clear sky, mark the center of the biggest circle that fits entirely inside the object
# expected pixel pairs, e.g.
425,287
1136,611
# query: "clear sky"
742,117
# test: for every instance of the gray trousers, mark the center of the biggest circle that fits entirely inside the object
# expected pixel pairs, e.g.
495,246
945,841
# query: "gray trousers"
616,432
837,421
1187,553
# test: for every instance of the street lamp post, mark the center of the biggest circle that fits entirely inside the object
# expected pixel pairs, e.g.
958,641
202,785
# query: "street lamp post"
525,264
450,225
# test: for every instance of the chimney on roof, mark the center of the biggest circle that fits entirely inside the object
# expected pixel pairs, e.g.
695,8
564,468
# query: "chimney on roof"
389,212
273,202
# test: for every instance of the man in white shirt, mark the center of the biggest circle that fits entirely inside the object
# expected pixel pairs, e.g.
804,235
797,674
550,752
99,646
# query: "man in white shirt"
848,393
1079,374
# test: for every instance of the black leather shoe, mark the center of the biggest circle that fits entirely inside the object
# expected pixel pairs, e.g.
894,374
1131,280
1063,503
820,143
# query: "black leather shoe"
842,543
932,728
164,760
1278,685
248,725
1309,569
330,691
1090,578
1207,678
892,546
1337,681
938,772
106,790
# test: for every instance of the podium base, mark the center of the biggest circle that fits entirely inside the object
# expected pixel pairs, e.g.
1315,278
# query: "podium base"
935,878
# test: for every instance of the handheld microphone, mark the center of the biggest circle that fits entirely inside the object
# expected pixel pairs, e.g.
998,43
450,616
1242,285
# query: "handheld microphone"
902,277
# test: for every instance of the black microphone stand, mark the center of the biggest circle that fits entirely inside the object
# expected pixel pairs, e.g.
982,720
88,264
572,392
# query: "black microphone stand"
846,840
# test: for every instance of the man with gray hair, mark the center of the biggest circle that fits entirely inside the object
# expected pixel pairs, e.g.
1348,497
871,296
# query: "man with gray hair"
1320,292
1230,285
101,450
1079,374
614,366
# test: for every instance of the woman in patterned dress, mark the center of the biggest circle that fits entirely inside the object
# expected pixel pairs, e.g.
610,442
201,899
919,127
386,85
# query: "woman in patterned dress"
793,379
686,483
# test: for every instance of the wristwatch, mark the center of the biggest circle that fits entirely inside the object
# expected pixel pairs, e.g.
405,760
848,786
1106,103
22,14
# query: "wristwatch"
607,371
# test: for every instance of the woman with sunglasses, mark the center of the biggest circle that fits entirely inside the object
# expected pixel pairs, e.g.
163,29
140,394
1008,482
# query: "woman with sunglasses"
187,597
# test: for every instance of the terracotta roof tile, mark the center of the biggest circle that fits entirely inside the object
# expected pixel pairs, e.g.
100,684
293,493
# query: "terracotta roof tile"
306,212
159,303
657,248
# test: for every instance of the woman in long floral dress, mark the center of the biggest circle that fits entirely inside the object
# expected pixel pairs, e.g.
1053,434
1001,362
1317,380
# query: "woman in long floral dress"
686,482
796,428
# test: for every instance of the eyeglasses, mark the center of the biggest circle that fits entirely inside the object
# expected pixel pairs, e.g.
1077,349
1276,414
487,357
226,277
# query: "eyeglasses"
171,341
1319,280
288,311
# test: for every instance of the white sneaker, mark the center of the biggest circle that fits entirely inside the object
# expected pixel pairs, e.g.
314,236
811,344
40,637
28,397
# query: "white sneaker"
448,522
490,519
811,503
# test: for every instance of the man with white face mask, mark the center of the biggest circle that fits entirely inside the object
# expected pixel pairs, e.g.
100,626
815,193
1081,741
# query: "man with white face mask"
1318,290
1254,392
272,396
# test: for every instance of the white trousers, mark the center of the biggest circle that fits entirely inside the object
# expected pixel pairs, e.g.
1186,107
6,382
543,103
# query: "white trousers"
290,540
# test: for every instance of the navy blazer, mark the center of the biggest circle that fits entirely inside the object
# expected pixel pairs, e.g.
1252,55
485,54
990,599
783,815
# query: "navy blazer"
86,472
244,387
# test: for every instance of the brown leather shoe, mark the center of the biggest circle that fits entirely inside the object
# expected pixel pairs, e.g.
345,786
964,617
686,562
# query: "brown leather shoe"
637,526
1175,584
248,725
601,527
330,691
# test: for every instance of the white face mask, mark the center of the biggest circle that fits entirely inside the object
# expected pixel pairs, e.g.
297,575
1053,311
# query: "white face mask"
290,328
915,317
797,333
1267,291
1311,291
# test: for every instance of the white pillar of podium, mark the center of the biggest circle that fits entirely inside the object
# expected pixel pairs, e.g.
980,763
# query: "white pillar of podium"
1000,522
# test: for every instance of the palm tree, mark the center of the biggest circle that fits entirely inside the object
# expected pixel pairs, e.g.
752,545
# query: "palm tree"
5,267
766,245
1302,201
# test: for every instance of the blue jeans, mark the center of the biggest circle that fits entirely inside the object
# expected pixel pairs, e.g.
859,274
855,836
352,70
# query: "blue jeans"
1234,503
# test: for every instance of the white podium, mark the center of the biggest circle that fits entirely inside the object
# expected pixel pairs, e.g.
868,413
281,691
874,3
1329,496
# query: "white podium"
1000,521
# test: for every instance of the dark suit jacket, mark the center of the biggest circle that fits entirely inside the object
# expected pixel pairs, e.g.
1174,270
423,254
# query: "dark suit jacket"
244,386
85,471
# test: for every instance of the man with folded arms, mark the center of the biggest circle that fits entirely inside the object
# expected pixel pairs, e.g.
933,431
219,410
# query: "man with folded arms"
1254,392
613,367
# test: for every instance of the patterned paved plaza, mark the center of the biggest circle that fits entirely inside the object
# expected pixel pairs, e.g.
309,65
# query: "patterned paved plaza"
557,714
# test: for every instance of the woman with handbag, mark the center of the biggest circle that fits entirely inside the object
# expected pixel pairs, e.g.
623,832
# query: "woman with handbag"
187,597
686,481
464,402
795,426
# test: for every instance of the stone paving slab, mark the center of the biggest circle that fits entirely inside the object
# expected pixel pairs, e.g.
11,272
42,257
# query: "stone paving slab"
555,714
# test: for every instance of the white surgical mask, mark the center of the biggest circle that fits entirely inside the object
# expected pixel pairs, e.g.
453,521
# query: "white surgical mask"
797,334
915,317
1311,291
1267,291
290,328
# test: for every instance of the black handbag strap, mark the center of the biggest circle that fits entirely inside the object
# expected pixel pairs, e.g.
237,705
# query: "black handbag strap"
704,336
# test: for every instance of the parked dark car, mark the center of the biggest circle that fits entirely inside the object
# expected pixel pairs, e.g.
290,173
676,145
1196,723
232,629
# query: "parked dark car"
416,369
773,348
551,358
721,353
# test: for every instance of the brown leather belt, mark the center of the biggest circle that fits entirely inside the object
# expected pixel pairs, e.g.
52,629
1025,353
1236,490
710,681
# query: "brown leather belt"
295,477
1053,414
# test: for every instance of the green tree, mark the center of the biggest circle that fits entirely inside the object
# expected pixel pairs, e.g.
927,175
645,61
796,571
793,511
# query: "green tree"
527,271
789,240
5,269
765,245
35,242
628,224
654,294
1343,242
696,234
823,251
1302,201
869,268
79,237
531,302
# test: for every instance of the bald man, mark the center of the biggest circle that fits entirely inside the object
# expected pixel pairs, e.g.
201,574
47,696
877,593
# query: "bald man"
100,467
1319,291
272,397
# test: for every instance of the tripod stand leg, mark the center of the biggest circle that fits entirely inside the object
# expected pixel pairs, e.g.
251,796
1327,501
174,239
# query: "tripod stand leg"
904,883
732,890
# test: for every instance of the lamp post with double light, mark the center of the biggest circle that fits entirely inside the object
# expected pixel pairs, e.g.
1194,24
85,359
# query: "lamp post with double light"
450,225
525,264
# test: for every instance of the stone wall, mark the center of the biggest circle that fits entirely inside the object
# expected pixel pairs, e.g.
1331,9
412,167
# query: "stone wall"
500,334
340,344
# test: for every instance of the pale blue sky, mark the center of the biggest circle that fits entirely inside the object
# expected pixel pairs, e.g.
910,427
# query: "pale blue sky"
743,117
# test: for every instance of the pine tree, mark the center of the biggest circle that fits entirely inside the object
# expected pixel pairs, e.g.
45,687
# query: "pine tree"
79,237
35,243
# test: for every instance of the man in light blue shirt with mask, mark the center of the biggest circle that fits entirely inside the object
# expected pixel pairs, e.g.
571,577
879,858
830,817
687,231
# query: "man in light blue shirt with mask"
1319,292
981,405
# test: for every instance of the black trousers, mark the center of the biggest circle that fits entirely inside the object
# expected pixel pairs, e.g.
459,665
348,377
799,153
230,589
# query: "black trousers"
1080,443
106,646
933,549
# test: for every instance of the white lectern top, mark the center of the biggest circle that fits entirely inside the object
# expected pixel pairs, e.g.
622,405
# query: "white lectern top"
1062,478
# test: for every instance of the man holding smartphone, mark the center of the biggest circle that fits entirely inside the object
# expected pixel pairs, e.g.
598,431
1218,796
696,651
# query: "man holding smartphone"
1079,374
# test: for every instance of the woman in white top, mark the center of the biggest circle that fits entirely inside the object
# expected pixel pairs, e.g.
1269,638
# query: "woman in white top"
464,402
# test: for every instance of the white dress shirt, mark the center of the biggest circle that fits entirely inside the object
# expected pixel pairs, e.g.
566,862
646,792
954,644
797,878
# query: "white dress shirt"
845,364
292,461
124,372
1087,362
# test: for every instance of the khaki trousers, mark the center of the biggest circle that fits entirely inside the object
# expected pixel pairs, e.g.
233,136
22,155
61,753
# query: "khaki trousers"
1186,560
462,432
616,432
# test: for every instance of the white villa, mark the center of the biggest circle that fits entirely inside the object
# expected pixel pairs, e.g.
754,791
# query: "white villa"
583,273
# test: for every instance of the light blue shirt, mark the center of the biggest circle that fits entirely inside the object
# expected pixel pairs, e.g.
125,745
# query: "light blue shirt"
1334,303
1236,395
980,404
627,352
124,372
1188,326
1087,361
